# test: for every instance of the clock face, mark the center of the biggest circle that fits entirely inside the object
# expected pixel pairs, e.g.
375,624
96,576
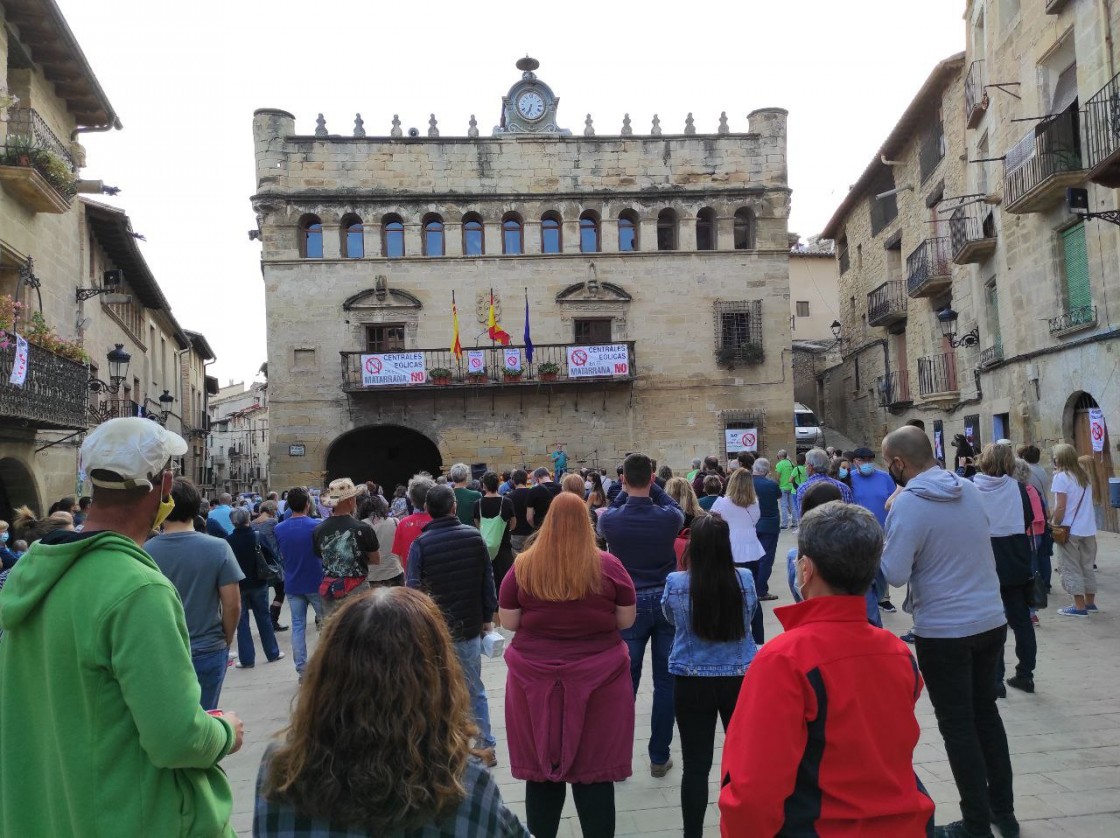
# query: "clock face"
530,105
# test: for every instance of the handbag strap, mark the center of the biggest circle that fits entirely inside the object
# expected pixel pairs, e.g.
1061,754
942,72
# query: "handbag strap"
1076,509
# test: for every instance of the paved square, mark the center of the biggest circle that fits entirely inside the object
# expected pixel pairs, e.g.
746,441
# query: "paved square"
1065,739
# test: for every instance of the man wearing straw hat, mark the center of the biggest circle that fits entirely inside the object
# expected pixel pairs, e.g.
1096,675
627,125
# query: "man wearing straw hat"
346,545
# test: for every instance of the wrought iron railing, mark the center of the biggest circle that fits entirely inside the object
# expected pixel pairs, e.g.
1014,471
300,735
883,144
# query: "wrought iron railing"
31,143
931,259
894,388
1075,318
886,301
1102,123
992,355
442,369
1052,147
54,394
937,374
970,223
974,94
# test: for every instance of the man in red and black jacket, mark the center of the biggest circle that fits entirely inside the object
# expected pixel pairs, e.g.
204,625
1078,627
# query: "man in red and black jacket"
822,738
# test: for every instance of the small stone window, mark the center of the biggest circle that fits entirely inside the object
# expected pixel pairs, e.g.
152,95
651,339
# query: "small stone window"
353,237
744,229
433,235
310,237
474,243
738,326
392,237
550,233
385,337
667,229
802,308
706,229
627,231
512,235
592,331
588,232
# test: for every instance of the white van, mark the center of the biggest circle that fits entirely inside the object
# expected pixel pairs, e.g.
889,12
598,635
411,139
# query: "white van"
808,428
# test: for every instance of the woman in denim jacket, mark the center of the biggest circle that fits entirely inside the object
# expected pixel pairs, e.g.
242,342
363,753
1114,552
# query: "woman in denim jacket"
710,604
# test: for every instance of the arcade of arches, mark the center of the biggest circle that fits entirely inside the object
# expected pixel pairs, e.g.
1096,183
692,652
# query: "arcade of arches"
17,488
387,454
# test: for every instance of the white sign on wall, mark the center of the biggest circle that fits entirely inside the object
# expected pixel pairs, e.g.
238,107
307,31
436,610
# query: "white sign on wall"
395,368
589,361
476,362
512,358
741,439
1097,429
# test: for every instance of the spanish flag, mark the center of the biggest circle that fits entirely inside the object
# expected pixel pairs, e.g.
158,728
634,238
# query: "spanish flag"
456,346
496,332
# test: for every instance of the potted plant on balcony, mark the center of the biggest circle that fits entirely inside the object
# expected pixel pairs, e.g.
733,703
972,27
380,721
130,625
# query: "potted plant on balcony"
511,374
440,376
548,371
477,377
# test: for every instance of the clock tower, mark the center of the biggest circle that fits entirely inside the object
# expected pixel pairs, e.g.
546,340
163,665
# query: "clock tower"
530,105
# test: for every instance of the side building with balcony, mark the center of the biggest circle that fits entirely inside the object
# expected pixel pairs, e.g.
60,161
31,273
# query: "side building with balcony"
652,269
894,249
238,441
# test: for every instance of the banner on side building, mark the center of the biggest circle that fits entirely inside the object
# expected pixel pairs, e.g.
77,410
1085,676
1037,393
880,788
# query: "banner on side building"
19,364
590,361
394,368
1097,429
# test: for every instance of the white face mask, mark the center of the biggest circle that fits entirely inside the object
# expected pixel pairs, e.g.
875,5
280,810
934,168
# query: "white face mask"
800,585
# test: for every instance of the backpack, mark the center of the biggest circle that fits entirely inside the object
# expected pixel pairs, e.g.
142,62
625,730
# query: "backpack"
493,530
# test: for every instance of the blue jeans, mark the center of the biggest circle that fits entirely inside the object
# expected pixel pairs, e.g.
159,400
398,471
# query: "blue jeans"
256,600
651,624
470,656
788,506
769,542
210,667
298,603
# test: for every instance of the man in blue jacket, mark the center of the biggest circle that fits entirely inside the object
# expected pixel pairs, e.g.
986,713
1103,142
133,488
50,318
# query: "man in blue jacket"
640,527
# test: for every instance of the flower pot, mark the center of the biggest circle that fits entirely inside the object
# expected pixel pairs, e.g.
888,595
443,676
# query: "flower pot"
549,376
442,381
476,379
511,378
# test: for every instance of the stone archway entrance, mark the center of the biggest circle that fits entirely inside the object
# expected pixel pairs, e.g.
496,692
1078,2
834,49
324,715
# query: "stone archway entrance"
17,488
1076,422
387,454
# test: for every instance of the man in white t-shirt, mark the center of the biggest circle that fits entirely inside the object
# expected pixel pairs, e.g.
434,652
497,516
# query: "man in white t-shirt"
1073,508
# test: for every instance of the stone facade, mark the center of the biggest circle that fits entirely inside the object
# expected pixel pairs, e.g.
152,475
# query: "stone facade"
238,443
814,284
676,400
1027,274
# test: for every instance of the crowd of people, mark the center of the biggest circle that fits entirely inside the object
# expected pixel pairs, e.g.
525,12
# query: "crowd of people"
123,616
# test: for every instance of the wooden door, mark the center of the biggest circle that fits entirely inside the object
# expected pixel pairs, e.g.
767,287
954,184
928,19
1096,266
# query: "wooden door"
1107,518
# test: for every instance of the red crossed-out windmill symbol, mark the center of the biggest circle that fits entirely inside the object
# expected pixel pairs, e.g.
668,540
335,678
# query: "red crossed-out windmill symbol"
579,357
476,362
373,365
1098,431
748,439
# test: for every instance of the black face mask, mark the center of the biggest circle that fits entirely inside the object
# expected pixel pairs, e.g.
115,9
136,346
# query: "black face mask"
899,479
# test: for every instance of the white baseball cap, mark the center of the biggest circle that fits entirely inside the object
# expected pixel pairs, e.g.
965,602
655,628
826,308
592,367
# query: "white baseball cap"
134,450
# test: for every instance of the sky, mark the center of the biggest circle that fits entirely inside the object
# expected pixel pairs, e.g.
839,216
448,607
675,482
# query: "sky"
186,78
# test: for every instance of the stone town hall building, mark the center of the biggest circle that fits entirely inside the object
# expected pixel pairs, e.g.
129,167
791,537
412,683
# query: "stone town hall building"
657,260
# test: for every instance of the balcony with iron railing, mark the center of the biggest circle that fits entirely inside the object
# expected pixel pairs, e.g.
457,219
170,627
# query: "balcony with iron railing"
975,96
937,376
972,233
1041,166
992,355
894,389
929,268
1075,319
54,395
36,167
886,305
1102,135
438,370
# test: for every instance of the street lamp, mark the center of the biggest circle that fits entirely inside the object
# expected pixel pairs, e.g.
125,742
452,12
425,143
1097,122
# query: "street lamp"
948,320
165,402
836,327
118,371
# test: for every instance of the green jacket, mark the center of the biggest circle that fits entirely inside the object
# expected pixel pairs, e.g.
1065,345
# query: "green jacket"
784,470
101,730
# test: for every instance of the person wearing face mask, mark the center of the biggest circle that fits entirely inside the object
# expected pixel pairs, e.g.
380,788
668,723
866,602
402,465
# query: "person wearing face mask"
797,759
8,558
96,678
871,488
937,540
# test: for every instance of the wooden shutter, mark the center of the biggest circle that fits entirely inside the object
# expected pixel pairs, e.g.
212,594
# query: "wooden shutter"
1076,289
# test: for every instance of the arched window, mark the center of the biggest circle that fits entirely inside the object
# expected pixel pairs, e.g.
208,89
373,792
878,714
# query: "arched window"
512,235
353,237
433,235
706,229
627,231
392,237
310,237
473,242
667,230
744,229
550,233
588,232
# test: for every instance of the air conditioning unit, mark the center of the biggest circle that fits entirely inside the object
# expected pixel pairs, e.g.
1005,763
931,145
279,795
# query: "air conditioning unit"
112,279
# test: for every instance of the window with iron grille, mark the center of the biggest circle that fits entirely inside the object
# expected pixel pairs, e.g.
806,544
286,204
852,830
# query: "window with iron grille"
739,332
883,210
932,149
387,337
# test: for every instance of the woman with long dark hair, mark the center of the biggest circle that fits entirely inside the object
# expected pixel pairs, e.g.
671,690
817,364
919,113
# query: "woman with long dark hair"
568,672
710,604
379,743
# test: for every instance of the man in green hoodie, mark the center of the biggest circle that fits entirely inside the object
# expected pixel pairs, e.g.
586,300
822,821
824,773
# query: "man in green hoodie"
101,730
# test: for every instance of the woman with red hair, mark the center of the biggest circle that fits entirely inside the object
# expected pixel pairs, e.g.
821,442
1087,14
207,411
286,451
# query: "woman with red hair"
569,696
